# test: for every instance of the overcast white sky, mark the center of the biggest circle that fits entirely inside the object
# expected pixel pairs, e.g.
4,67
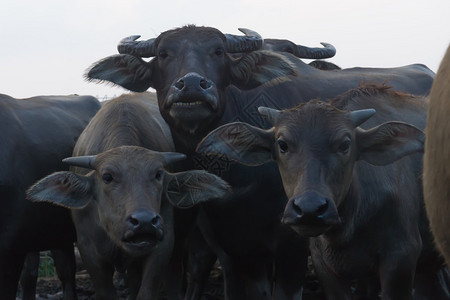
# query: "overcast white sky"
47,45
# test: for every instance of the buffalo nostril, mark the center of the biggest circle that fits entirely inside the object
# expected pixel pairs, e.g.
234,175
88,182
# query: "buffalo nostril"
133,221
156,221
297,209
179,84
322,208
205,84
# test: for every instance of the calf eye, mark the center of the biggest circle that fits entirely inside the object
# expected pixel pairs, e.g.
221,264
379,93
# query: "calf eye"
283,146
107,178
344,147
159,175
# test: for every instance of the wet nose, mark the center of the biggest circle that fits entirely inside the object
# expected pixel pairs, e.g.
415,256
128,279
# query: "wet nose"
192,82
144,219
311,209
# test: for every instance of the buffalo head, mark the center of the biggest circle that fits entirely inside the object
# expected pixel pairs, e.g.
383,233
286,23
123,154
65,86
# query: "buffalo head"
129,186
316,146
191,70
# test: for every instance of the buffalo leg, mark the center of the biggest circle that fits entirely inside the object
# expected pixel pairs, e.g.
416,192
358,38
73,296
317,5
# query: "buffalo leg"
234,286
246,280
201,259
10,269
184,222
65,267
101,274
29,276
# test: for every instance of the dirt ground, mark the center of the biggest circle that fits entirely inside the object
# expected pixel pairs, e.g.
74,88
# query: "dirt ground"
50,288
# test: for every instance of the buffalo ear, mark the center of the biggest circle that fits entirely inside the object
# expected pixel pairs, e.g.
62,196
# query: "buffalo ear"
65,189
186,189
242,142
261,67
389,142
128,71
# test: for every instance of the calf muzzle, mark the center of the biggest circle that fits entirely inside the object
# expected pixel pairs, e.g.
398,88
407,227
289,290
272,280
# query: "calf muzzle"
145,229
311,210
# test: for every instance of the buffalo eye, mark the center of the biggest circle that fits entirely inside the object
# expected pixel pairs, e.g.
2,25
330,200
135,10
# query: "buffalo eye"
344,147
163,54
159,175
219,52
107,178
282,145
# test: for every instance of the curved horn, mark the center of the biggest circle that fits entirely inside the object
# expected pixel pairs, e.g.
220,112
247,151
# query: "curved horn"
172,157
357,117
269,113
129,45
315,53
249,32
81,161
236,43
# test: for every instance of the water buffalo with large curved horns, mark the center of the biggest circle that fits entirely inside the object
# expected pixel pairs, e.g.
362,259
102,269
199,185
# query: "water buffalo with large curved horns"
436,168
350,187
122,196
37,133
200,86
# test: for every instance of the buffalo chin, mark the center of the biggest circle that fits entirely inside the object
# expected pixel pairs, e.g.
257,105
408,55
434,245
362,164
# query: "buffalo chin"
192,117
140,248
310,231
140,243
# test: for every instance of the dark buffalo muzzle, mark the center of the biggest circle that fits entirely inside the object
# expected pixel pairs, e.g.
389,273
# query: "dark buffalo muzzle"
144,229
193,82
310,214
193,90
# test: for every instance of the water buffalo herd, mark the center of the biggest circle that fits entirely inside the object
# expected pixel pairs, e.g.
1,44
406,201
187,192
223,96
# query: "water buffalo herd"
245,154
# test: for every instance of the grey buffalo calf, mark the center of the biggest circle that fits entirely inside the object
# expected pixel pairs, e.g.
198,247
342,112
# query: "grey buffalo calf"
437,157
122,196
351,189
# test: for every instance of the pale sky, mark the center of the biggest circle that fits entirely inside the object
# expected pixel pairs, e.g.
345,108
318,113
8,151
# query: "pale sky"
47,45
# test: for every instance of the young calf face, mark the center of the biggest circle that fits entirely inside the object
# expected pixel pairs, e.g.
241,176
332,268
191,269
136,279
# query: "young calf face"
316,146
128,185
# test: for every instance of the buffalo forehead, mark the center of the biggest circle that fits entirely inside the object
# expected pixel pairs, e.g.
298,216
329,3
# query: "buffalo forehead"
310,121
128,158
198,35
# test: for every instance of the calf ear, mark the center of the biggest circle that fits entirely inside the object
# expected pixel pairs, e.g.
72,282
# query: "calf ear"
261,67
65,189
128,71
186,189
241,142
389,142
